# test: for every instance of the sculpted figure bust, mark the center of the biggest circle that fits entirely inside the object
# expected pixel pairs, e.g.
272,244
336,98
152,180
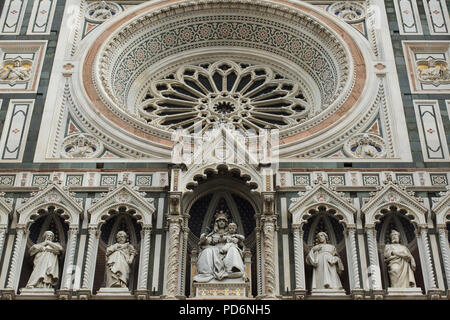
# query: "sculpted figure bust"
119,257
326,263
46,268
400,262
221,252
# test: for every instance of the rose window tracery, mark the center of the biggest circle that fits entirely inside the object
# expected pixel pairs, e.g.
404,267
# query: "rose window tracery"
248,96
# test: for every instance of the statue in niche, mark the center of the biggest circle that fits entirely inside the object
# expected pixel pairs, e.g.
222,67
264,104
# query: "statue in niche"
46,267
221,254
326,263
119,257
15,72
401,264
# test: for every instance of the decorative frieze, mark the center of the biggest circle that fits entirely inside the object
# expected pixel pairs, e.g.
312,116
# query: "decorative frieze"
20,65
427,64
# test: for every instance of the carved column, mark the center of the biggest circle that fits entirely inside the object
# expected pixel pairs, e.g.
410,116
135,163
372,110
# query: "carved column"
427,254
174,254
259,267
354,255
90,257
18,251
268,222
374,267
2,238
299,262
70,255
144,257
298,258
443,239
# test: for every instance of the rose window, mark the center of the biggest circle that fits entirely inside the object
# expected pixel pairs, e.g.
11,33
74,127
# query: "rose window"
251,97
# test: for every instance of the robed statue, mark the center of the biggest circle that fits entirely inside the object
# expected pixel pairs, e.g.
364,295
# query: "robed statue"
400,262
119,258
221,254
326,263
45,264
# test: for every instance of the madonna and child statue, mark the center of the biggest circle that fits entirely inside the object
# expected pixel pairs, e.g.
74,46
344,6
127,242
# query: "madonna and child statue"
221,257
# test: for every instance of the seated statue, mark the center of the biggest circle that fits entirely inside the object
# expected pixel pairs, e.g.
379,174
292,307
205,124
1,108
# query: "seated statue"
221,254
46,268
119,257
327,265
400,262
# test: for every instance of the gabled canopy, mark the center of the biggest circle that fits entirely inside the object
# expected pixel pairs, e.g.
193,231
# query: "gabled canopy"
52,195
391,194
126,196
321,194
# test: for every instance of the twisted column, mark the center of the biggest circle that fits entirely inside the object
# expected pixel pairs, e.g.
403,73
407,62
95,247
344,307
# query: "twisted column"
174,253
70,254
269,266
20,235
145,253
298,258
429,263
375,277
258,260
354,254
92,231
445,252
2,238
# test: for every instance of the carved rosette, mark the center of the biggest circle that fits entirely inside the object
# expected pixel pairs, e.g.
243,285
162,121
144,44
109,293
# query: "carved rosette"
101,11
365,146
81,146
350,12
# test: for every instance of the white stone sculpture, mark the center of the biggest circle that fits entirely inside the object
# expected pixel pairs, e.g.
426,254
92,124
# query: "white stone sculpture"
433,71
101,11
119,257
326,264
222,252
16,72
81,145
401,264
46,267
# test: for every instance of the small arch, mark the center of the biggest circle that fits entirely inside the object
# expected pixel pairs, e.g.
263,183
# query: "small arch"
118,218
397,218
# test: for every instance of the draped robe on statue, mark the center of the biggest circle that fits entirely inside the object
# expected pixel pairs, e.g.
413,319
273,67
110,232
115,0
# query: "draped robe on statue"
118,264
212,264
46,267
401,264
327,265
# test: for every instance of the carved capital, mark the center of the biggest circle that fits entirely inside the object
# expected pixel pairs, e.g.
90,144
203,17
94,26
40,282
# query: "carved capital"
174,203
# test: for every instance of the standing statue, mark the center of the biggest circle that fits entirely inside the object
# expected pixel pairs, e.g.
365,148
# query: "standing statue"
326,263
401,264
46,266
222,252
119,257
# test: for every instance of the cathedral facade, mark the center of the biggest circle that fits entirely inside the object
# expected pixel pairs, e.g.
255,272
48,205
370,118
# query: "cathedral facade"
208,149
